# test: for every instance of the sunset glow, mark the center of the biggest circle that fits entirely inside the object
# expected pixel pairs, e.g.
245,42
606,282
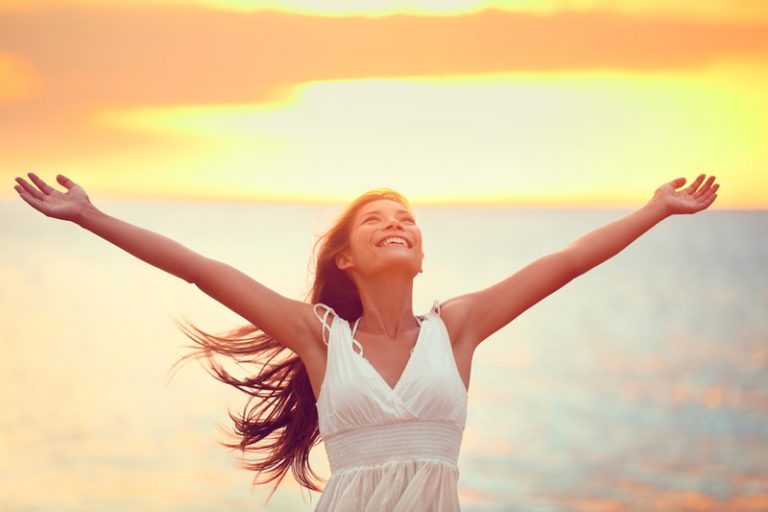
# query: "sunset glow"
18,78
525,104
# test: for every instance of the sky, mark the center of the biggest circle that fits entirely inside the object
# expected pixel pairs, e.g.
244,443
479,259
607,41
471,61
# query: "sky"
590,103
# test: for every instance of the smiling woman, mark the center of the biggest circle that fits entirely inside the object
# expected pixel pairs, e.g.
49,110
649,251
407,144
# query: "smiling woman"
384,389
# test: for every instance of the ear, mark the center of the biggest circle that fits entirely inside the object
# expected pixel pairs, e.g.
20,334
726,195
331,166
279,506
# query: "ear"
343,261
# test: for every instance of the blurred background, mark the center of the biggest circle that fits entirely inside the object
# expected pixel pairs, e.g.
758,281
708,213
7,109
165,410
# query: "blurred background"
241,128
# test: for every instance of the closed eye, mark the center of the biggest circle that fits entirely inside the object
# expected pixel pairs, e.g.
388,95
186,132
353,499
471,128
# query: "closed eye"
409,220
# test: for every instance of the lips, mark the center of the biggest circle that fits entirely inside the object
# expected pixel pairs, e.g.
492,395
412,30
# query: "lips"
394,240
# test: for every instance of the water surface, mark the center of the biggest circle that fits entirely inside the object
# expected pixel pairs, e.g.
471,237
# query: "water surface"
641,385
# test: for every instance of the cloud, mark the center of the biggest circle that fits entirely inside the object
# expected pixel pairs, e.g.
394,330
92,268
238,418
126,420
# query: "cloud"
92,60
175,55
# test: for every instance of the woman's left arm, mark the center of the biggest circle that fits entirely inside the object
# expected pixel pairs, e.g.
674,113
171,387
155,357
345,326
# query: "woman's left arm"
475,316
601,244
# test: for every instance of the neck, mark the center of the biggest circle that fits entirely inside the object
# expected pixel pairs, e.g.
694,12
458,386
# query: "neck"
387,303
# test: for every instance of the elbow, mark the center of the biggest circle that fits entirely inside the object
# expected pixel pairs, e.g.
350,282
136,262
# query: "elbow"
188,274
575,261
206,272
193,271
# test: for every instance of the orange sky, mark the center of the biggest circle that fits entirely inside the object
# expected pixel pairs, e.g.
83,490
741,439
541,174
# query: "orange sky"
533,105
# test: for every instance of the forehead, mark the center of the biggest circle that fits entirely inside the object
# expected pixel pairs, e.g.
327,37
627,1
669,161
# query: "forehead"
384,206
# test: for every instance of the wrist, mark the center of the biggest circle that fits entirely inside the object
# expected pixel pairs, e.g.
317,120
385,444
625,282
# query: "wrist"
88,213
658,207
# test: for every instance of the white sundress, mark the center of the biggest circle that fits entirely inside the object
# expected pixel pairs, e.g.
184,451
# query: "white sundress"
391,449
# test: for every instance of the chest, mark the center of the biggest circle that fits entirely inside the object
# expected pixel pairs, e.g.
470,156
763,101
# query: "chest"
389,360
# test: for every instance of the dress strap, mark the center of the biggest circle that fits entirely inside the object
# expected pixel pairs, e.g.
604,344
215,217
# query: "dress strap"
436,307
354,327
354,341
324,319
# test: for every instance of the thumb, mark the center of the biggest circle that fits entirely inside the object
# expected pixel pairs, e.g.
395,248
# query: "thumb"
68,183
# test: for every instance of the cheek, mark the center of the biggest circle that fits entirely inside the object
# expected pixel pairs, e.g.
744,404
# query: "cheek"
360,240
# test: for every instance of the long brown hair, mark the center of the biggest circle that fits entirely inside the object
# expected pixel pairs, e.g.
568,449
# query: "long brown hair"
279,420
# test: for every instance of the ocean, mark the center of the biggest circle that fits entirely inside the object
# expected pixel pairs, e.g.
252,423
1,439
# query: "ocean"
640,385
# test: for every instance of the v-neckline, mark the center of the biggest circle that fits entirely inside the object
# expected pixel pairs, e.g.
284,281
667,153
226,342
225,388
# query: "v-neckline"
407,363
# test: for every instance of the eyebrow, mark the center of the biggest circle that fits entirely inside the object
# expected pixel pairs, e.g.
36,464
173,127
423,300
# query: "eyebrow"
379,211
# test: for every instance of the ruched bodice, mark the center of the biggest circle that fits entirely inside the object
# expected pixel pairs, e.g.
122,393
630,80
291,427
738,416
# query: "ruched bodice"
391,448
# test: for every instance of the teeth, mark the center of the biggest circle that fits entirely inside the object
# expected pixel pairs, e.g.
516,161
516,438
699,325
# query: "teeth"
393,240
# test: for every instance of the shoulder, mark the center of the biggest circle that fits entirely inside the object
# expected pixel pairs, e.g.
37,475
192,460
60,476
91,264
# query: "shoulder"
454,313
313,326
324,320
323,312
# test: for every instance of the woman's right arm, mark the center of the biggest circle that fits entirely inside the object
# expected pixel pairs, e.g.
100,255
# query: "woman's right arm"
290,321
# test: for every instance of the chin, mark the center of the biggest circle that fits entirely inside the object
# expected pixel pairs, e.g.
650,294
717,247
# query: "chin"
410,268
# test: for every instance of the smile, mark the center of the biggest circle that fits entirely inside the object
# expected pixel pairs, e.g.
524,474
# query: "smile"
394,240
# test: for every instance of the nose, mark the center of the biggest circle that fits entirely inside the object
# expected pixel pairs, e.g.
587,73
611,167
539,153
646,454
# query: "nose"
393,222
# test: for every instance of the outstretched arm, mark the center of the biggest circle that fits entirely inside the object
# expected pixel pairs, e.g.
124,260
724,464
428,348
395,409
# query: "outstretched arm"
290,321
75,206
475,316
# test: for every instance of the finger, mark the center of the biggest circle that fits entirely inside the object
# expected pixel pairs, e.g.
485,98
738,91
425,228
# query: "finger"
29,189
35,203
704,188
677,183
66,182
47,189
708,194
693,186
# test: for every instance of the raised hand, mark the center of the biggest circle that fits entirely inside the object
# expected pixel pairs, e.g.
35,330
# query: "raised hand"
67,205
695,197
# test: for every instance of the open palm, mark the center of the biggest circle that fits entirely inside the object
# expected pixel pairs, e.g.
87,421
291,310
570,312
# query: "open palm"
695,197
51,202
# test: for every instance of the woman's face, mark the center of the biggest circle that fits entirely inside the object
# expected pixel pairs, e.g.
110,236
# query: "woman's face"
383,236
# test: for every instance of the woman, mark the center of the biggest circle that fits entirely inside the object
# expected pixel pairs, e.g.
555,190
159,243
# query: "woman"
386,390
